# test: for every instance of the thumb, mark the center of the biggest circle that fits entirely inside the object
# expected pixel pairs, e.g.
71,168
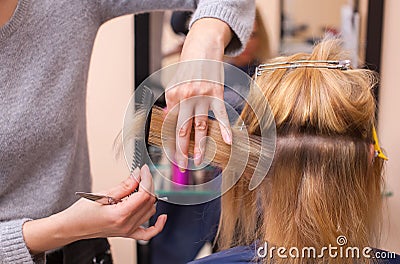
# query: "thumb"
219,110
146,183
126,187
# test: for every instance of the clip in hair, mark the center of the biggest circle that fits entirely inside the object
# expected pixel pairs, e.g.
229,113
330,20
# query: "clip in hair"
326,64
378,150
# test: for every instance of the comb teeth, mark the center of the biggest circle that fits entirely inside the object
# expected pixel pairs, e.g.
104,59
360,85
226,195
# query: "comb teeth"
137,156
143,100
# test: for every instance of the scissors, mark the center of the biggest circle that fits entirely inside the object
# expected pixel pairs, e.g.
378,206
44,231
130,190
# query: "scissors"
100,198
108,200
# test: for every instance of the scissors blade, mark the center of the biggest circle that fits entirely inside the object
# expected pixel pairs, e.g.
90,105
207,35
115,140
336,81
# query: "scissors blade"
99,198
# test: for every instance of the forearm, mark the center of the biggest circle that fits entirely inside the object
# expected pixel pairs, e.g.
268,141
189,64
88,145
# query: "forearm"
206,32
213,28
47,233
86,219
82,220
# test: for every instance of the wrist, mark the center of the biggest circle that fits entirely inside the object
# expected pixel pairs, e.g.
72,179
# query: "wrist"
64,229
214,29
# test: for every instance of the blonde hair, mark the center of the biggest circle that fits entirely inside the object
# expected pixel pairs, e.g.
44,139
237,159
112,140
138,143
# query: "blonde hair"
322,183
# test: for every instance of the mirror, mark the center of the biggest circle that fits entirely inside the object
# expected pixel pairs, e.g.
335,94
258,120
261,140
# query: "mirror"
304,22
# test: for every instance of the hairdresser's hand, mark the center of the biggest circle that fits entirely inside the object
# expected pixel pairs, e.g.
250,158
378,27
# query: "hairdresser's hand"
86,219
207,39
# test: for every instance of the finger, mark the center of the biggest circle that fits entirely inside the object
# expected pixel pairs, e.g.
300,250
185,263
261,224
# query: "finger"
146,183
125,188
147,210
184,127
218,107
136,175
137,206
200,129
147,233
144,217
172,96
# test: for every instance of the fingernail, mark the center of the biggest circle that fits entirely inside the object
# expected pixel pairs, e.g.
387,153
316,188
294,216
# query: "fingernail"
227,138
181,165
197,158
197,155
165,218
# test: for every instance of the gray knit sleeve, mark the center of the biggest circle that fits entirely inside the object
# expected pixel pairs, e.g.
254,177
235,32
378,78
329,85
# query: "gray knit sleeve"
12,245
238,14
109,9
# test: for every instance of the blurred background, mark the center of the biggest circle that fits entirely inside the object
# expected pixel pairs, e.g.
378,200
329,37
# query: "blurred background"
130,48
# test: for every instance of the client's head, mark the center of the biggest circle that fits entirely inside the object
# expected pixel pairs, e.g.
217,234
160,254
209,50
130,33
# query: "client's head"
324,181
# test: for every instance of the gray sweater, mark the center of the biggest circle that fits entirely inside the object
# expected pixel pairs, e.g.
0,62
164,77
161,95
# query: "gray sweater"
45,51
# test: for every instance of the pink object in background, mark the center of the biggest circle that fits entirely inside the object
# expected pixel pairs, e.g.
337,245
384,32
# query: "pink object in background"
178,176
